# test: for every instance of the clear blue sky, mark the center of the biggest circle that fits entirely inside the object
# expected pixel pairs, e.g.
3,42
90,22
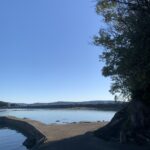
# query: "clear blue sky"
46,52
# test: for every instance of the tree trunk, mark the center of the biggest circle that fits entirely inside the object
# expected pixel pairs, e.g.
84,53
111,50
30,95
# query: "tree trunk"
131,124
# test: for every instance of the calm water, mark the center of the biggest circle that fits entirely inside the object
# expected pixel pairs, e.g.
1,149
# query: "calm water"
11,140
49,116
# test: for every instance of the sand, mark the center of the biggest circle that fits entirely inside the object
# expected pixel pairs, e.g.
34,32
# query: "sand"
75,136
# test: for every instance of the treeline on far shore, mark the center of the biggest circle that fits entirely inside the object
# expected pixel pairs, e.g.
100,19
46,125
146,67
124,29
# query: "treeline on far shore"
112,107
3,104
102,106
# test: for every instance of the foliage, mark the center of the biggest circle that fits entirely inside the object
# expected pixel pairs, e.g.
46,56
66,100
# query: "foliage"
3,104
126,42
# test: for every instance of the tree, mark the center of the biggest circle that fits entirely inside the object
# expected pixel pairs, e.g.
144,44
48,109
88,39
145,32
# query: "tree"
126,42
3,104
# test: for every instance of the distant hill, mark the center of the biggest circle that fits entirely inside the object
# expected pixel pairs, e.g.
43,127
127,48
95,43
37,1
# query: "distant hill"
105,105
74,103
3,104
98,104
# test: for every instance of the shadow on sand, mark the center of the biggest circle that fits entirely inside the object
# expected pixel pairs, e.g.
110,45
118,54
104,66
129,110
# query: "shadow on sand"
89,142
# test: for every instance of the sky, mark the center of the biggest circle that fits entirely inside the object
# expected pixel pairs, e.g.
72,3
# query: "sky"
46,52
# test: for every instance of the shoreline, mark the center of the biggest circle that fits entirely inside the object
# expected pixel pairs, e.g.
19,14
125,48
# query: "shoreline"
34,136
38,134
72,136
67,108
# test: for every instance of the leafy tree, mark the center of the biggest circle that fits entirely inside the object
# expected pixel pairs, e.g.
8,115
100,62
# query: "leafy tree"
126,42
3,104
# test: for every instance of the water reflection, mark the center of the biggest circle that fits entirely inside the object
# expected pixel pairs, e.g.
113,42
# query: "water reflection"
11,140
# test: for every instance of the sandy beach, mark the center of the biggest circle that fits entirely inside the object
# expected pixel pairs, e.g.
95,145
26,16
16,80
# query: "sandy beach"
80,137
73,136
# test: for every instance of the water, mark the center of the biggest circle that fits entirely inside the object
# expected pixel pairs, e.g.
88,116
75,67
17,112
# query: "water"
60,116
11,140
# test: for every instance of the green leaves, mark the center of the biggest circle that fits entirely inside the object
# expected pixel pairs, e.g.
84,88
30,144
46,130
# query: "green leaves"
103,5
126,43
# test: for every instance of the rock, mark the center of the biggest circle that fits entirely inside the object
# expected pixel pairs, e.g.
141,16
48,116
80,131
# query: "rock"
29,142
